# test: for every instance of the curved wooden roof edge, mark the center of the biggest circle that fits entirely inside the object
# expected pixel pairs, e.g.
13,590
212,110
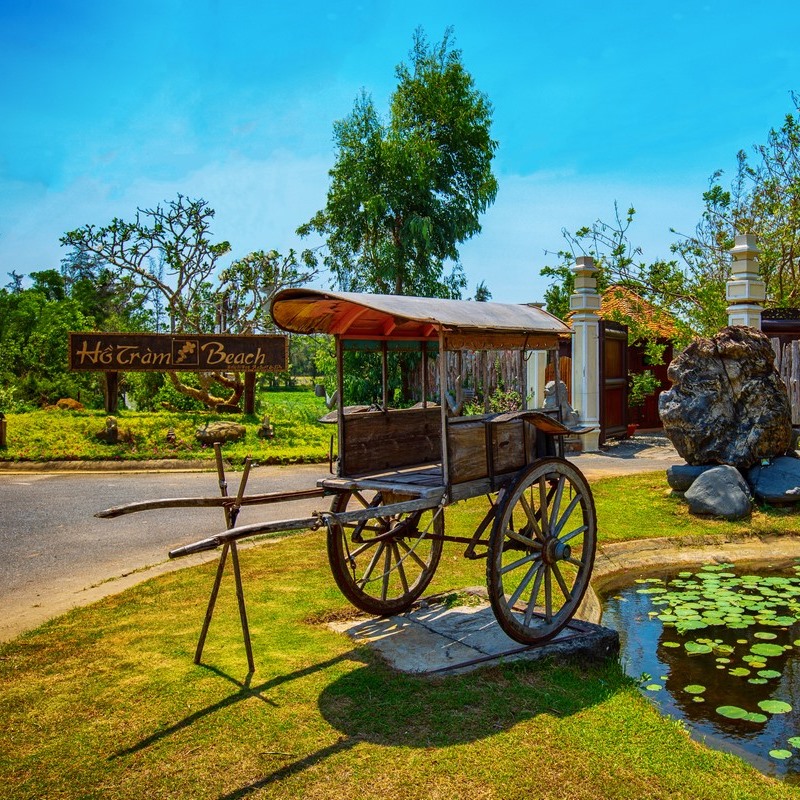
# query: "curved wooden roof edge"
376,316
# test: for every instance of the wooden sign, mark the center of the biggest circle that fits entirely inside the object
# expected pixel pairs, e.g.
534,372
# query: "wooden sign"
154,352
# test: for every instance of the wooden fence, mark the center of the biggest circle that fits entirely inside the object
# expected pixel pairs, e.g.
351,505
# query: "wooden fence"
481,373
787,361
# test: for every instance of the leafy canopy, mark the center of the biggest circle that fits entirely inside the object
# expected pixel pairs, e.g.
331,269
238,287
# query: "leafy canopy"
406,192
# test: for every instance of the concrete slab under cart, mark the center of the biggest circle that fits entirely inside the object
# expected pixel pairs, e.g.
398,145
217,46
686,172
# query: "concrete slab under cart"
433,638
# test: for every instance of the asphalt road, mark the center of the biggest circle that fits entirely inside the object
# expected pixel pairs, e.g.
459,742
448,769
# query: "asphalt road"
55,554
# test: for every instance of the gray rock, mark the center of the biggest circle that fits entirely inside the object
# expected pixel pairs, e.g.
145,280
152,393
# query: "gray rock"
727,404
681,476
221,432
777,483
719,492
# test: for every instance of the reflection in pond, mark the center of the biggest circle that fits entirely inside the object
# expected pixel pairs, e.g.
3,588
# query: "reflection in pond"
719,647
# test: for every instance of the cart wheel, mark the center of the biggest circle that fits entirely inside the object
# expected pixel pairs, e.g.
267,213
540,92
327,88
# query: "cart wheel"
379,573
541,550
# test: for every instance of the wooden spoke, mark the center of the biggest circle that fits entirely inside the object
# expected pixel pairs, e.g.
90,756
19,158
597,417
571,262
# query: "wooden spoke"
534,570
537,585
401,570
543,505
566,515
561,584
518,537
373,563
556,504
548,595
519,563
572,534
532,517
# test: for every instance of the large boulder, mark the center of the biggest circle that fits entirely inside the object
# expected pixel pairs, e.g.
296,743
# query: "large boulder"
719,492
727,404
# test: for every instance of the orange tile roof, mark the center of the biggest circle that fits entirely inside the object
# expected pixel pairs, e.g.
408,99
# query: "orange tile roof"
620,303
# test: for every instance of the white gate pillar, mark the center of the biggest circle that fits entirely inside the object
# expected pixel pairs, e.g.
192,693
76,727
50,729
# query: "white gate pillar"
585,304
745,290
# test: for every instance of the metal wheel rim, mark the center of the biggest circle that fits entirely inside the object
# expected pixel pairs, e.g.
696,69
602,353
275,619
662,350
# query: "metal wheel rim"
379,573
539,565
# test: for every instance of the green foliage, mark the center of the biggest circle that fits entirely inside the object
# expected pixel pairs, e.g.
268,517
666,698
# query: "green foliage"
167,251
404,194
34,327
640,386
619,262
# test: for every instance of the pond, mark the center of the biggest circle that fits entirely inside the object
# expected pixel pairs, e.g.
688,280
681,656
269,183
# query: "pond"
719,647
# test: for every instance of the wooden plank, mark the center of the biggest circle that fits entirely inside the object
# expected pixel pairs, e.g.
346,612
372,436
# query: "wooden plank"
379,440
466,451
208,502
508,443
500,340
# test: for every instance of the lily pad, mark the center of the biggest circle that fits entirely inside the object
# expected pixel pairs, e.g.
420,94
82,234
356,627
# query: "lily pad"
782,755
765,635
653,687
774,706
739,672
755,717
670,644
767,650
732,712
794,741
696,649
694,688
769,673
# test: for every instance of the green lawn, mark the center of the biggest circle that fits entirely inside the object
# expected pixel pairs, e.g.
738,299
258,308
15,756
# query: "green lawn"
56,435
105,702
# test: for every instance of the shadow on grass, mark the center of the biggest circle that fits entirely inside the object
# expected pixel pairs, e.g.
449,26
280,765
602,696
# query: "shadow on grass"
246,691
376,705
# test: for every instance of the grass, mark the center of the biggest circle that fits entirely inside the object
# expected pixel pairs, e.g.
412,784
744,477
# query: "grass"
55,434
105,702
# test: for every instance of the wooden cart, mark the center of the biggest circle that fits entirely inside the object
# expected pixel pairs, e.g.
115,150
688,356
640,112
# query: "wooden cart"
398,469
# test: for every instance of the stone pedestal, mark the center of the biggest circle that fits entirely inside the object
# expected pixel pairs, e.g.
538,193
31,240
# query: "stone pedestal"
585,304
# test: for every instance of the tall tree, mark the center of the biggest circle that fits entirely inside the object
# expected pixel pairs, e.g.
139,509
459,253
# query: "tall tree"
405,193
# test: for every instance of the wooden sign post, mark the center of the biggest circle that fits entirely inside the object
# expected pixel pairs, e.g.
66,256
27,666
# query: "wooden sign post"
113,353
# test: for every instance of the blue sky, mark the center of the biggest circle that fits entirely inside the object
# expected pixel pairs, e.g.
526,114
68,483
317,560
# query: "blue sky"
108,106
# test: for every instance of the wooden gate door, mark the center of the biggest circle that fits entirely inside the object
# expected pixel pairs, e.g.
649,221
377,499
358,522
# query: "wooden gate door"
613,379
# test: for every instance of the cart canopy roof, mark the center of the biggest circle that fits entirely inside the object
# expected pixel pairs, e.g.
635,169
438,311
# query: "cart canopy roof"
464,323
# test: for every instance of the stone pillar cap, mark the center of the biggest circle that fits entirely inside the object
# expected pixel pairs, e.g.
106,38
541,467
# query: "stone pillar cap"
584,264
745,243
